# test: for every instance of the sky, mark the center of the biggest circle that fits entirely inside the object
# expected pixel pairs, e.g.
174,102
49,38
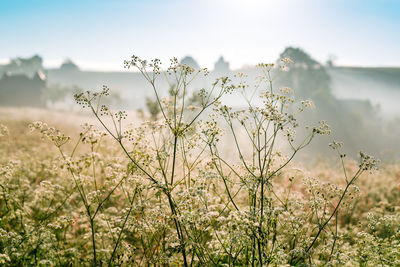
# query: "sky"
100,34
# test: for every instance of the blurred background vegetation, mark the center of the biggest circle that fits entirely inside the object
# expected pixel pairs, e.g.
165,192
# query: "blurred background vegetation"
360,104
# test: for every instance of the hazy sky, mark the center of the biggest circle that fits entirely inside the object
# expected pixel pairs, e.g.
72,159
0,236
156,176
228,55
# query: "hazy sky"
99,34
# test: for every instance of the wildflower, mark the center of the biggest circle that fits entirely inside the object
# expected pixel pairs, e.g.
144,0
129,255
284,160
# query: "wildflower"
322,128
53,134
336,145
4,130
287,60
286,90
367,162
308,104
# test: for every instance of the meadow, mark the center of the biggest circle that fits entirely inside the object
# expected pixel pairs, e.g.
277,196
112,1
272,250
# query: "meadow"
198,183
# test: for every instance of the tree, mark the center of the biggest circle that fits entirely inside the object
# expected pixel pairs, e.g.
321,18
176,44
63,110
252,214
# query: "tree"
308,76
188,60
68,65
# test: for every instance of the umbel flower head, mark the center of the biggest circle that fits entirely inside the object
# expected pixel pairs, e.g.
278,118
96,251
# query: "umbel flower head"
367,162
4,130
53,134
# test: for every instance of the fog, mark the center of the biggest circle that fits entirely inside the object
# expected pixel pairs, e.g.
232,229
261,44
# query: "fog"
381,86
360,104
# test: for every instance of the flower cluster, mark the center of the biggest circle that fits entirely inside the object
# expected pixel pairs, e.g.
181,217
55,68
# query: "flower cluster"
55,135
206,186
3,130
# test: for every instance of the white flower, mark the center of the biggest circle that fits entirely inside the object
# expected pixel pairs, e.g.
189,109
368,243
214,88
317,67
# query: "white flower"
4,130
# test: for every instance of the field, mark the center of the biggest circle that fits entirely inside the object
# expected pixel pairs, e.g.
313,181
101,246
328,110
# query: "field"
198,184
